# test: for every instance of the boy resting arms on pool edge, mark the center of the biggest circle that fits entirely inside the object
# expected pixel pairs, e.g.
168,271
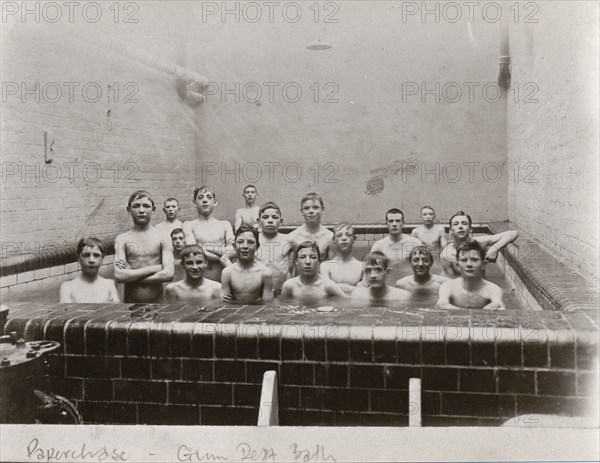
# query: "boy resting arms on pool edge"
193,287
88,286
375,269
470,291
309,285
247,281
143,255
460,231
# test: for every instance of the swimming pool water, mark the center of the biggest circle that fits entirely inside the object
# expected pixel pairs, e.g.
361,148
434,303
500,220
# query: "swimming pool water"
494,273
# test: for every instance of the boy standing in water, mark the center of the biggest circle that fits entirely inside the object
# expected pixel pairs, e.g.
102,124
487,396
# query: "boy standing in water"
375,268
431,235
249,213
421,281
312,208
213,235
345,269
470,291
460,231
194,287
178,242
89,286
171,209
247,281
275,248
144,255
397,245
309,286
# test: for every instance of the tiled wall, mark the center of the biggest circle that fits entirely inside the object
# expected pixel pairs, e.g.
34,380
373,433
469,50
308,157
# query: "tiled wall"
183,364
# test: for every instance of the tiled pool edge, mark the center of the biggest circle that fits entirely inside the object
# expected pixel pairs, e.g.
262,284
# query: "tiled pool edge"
554,285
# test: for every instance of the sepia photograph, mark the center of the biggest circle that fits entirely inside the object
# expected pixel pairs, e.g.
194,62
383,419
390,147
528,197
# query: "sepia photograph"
299,231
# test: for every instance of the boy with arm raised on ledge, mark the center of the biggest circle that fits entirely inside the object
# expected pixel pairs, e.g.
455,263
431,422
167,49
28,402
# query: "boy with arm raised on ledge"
88,286
143,255
194,287
213,235
470,291
460,231
247,281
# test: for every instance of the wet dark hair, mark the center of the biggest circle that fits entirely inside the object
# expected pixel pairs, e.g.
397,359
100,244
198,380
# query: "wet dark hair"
176,230
247,228
249,186
192,249
312,196
95,242
309,245
428,207
459,213
139,194
202,189
420,250
470,245
394,210
170,199
269,205
376,258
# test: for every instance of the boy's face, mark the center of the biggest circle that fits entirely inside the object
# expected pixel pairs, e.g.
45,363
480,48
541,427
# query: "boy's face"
421,264
171,209
178,240
90,259
460,228
205,202
311,211
428,216
245,246
194,266
307,262
375,274
470,264
270,220
344,238
141,210
395,223
250,195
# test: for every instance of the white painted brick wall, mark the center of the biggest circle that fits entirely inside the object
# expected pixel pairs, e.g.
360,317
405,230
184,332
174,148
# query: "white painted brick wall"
558,133
154,136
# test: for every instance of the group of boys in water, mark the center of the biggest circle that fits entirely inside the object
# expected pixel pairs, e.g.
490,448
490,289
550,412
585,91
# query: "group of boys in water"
208,261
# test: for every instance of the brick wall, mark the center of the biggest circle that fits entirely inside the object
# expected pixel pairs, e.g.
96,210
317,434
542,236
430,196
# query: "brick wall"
148,143
556,137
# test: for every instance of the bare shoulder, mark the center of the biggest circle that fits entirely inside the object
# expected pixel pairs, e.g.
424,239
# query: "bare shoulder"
403,282
212,283
492,287
399,292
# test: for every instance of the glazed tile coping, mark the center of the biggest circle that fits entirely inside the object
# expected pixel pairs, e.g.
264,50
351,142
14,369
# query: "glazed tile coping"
392,324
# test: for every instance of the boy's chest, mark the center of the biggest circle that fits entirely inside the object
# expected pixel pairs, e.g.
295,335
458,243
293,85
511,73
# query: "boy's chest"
209,232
